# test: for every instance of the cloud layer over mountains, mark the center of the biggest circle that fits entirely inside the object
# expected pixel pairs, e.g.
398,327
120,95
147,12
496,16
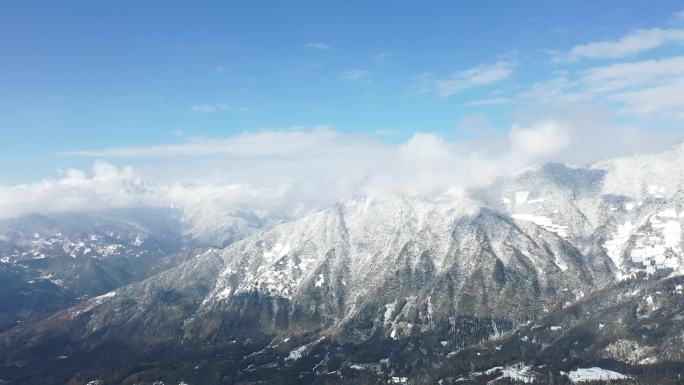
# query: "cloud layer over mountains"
287,173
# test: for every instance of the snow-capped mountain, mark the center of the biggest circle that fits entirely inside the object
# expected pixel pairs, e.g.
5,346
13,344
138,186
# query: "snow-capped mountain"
57,260
60,260
97,235
382,273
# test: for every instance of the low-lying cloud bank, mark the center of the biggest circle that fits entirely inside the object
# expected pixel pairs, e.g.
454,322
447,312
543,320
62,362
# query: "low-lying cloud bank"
284,174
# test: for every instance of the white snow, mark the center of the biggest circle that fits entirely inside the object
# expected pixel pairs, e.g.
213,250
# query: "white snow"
297,353
649,300
111,294
138,240
594,374
668,213
519,372
278,251
320,281
561,265
655,244
660,248
223,294
92,303
389,309
544,222
301,351
614,247
521,196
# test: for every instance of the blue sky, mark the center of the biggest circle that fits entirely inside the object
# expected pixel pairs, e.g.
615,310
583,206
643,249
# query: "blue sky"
79,77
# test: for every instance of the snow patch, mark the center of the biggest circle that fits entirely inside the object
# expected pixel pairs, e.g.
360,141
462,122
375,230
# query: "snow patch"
320,281
223,294
544,222
278,251
614,247
111,294
518,372
521,197
91,304
297,353
594,374
659,248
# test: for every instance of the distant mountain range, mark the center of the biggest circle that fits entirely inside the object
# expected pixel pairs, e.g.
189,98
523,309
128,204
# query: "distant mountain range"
537,277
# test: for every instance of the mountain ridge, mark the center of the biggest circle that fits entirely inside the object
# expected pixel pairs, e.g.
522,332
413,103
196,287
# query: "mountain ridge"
391,268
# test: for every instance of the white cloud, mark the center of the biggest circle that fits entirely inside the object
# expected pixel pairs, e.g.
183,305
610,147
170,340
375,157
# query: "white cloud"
284,174
210,107
624,75
647,88
481,75
559,90
655,101
543,139
679,16
489,102
636,42
262,144
318,46
595,135
355,74
108,187
429,165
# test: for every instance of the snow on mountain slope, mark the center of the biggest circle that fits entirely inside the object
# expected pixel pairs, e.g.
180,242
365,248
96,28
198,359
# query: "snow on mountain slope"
648,211
629,209
353,240
406,265
550,233
401,267
99,235
640,177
